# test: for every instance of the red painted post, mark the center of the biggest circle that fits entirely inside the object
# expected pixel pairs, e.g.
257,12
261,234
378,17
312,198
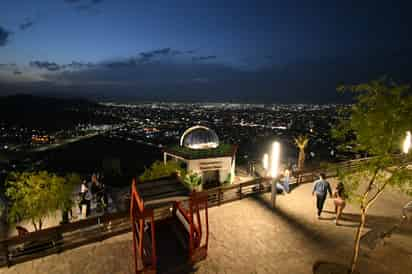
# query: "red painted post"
207,224
199,224
132,219
191,227
154,258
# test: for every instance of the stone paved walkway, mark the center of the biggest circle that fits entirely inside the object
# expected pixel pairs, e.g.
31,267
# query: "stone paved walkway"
248,236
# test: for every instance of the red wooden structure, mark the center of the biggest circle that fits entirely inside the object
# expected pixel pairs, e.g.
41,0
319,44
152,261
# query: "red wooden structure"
184,219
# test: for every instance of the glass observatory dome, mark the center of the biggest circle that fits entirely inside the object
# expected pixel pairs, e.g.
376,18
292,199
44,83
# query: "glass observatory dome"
199,137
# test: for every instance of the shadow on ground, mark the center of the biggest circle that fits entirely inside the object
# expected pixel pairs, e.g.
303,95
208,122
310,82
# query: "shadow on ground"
309,232
372,222
322,267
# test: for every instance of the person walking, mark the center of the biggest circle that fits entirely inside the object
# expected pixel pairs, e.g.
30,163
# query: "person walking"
339,201
321,188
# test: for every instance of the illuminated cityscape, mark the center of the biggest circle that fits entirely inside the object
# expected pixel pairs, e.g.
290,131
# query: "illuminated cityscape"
161,124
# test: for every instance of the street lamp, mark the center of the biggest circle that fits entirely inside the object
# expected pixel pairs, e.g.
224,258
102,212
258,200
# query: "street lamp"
265,162
407,142
274,161
274,167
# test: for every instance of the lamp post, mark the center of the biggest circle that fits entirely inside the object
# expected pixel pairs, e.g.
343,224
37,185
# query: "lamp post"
265,163
407,142
274,168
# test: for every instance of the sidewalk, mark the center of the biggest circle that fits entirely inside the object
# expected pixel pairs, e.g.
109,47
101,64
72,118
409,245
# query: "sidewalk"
249,236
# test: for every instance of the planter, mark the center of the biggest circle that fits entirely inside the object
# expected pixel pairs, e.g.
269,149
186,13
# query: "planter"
198,188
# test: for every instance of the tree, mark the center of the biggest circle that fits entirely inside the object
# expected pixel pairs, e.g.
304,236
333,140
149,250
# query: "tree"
35,195
66,194
301,142
376,124
159,169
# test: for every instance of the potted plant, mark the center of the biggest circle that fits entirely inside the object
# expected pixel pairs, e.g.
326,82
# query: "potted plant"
193,181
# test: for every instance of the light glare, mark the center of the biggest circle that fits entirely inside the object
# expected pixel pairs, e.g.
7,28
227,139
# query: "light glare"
265,161
274,165
407,142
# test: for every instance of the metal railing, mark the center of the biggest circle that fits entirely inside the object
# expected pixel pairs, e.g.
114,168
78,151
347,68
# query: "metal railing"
57,239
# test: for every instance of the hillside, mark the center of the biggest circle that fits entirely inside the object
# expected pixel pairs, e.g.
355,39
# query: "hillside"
46,112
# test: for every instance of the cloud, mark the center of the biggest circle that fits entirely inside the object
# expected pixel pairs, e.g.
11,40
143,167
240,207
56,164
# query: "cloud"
147,56
88,6
8,65
127,63
204,58
53,66
128,79
78,65
4,36
10,68
176,52
50,66
28,23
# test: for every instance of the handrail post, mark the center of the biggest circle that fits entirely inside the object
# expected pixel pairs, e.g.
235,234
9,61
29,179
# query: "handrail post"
154,257
6,248
273,192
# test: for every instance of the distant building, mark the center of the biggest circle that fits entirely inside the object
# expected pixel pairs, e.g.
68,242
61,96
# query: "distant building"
41,139
201,152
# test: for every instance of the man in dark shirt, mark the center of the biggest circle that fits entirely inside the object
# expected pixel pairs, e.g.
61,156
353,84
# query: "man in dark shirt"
321,187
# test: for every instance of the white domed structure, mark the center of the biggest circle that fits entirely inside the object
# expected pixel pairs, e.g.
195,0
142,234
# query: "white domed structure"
199,137
199,151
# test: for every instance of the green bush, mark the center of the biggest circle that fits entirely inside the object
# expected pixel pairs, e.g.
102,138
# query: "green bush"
159,170
192,180
34,195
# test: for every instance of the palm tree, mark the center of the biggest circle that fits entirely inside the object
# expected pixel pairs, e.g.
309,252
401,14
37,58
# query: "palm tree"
301,142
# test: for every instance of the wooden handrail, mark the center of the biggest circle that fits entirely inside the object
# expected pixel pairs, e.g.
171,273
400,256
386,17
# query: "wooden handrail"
67,236
64,228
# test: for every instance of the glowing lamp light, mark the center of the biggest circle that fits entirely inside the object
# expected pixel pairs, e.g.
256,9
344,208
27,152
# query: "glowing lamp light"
203,145
274,163
265,161
407,142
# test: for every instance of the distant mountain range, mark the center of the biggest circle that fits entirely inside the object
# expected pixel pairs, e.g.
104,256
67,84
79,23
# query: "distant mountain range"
303,81
45,112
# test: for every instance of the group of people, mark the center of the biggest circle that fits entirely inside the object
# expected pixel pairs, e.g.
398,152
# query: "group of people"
321,188
92,191
284,183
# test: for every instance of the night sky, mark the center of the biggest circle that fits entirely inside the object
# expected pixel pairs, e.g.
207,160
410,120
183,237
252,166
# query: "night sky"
251,51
